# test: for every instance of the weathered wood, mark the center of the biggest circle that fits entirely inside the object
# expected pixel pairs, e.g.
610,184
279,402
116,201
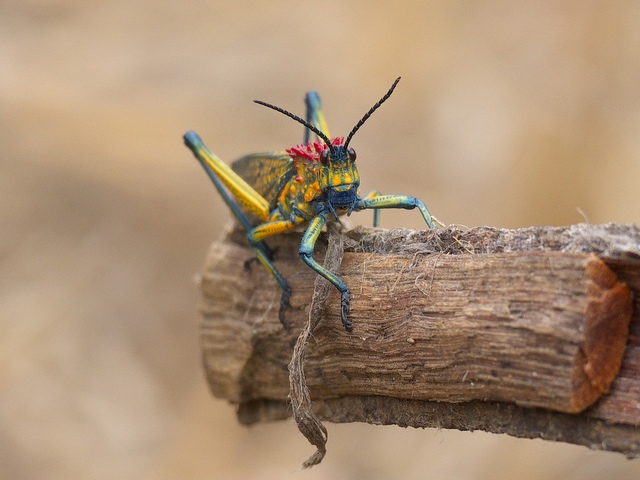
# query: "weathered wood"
448,325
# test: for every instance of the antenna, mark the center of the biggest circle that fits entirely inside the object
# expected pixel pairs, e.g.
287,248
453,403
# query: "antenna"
368,114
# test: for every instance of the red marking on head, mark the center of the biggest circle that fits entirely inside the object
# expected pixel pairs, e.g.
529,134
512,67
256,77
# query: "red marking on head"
312,150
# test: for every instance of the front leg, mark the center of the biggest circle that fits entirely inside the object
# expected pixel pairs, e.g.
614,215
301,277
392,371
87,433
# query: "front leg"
307,246
376,200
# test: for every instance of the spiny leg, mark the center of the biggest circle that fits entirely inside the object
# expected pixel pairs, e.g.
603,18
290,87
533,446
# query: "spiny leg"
307,246
395,201
238,188
255,237
286,289
234,191
237,211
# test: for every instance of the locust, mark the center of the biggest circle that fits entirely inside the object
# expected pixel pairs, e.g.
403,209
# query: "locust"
308,184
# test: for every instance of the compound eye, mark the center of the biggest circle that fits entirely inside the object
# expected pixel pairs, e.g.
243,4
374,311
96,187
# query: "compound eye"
324,156
352,154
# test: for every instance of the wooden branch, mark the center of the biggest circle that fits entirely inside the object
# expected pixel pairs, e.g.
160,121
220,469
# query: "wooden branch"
509,331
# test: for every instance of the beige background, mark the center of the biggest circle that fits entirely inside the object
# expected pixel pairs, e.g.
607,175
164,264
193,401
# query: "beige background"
509,114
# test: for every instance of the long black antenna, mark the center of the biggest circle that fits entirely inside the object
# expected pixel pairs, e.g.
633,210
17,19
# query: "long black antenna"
368,114
299,120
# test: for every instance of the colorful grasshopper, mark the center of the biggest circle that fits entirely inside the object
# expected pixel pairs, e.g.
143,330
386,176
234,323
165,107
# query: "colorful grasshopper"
308,183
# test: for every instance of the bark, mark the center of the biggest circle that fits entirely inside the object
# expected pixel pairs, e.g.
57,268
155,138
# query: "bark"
532,332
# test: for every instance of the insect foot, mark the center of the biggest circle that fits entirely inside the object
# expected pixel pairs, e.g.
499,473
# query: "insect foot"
344,309
284,303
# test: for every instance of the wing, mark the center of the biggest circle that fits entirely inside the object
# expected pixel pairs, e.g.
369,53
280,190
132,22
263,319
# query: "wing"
267,173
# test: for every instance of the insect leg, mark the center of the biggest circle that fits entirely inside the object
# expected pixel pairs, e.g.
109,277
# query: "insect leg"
235,208
255,237
376,211
237,186
222,176
307,246
315,115
286,289
395,201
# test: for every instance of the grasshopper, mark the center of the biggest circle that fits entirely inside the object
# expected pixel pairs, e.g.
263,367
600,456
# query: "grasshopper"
312,183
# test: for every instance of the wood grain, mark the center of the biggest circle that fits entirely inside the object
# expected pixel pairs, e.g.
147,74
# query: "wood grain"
537,319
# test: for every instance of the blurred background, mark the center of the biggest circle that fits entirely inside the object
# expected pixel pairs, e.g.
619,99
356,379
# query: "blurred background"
509,114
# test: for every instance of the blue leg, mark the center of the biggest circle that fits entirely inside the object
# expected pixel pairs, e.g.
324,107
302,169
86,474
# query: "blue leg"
277,226
261,249
286,289
234,207
376,212
307,246
395,201
315,115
